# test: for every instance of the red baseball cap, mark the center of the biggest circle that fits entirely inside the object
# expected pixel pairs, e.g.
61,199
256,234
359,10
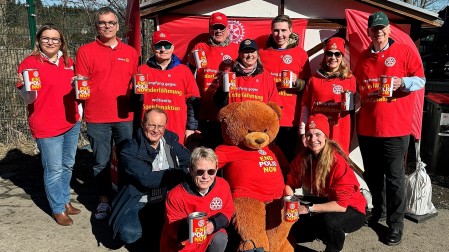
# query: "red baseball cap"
161,36
218,18
335,43
318,121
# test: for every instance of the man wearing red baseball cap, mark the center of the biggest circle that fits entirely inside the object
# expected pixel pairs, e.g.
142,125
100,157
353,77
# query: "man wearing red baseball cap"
217,55
171,86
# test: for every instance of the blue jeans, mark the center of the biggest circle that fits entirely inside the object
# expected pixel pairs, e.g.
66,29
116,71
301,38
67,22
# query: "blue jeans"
100,136
58,157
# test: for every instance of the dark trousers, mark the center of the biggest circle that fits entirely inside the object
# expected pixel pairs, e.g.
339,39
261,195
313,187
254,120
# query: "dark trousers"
211,134
383,159
142,227
328,227
100,136
288,140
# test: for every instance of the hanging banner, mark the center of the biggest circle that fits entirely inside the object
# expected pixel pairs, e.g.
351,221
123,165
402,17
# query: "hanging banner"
132,25
187,31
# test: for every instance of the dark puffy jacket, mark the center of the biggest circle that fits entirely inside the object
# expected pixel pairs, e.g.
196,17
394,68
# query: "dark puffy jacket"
135,167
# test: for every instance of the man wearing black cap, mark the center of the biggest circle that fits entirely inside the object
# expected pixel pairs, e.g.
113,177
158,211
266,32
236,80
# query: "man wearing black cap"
384,121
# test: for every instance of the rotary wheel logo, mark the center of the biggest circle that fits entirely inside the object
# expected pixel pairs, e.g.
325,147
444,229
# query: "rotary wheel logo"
236,31
216,204
390,61
337,89
262,152
287,59
227,59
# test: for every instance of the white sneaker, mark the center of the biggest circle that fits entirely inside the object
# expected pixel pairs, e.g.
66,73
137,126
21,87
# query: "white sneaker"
103,211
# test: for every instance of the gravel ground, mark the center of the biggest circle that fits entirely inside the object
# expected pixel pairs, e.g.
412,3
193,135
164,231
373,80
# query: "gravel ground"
25,223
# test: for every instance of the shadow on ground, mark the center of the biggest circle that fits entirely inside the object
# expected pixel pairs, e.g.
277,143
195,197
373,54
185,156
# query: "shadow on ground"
25,171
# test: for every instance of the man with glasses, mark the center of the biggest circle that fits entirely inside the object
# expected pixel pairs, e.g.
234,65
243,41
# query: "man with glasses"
219,52
151,163
109,64
172,87
384,124
201,192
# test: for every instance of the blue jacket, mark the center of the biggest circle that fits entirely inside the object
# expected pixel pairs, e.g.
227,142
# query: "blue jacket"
135,167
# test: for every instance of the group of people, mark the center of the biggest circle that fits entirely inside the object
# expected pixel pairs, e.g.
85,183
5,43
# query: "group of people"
162,181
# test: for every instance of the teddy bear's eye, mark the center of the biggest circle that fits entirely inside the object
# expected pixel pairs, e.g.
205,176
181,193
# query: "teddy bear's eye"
265,131
249,131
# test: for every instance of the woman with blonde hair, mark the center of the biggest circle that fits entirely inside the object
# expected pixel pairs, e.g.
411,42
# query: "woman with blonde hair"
53,117
323,171
324,91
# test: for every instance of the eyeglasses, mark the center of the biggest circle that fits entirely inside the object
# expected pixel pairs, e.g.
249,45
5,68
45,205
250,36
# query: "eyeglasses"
158,47
330,54
53,40
210,172
154,126
103,24
218,27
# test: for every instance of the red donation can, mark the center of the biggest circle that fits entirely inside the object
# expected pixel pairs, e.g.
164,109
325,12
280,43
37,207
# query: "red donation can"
31,79
140,83
386,86
197,227
291,208
82,89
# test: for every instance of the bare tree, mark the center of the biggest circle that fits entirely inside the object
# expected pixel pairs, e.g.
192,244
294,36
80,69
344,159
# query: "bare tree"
428,4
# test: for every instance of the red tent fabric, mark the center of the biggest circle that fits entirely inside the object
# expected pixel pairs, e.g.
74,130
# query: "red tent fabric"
132,25
187,31
357,23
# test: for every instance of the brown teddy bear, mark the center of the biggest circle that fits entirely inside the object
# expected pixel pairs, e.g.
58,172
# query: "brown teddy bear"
254,172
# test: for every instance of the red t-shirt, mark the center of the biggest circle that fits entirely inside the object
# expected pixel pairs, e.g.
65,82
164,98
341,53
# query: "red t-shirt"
251,173
296,60
260,87
386,116
180,204
110,71
55,110
169,90
341,183
219,60
323,95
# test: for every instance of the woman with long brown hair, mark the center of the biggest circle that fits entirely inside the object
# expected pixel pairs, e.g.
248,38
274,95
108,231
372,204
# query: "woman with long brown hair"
323,171
53,117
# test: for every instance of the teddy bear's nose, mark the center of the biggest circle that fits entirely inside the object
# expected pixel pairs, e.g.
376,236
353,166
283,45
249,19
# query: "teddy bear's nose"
259,140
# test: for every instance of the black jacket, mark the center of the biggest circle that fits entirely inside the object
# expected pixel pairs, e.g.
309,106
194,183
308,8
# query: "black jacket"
135,167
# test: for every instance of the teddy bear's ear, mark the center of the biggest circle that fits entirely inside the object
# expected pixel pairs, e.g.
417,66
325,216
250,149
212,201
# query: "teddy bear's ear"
224,112
276,109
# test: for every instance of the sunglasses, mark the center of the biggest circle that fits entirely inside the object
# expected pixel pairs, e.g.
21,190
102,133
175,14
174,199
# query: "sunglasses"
218,27
337,54
165,46
210,172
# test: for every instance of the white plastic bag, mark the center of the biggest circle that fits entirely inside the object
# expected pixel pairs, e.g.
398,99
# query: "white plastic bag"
418,189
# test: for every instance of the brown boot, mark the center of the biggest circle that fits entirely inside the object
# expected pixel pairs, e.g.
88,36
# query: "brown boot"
71,210
63,219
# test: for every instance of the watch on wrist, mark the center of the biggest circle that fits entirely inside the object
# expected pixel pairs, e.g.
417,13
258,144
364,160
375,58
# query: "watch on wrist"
309,208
